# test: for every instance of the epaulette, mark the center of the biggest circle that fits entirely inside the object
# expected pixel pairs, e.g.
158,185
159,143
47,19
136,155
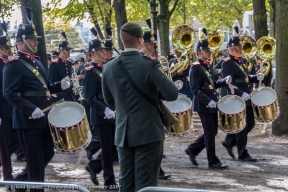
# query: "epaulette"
196,63
89,68
227,59
13,58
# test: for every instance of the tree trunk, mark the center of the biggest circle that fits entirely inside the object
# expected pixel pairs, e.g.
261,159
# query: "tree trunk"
281,34
272,18
120,17
164,19
260,18
1,30
36,8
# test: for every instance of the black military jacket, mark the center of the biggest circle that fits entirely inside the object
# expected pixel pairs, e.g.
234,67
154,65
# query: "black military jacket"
201,87
18,80
5,107
59,69
94,96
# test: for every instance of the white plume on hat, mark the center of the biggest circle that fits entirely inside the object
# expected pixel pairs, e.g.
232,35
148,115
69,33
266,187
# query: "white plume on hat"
236,29
245,31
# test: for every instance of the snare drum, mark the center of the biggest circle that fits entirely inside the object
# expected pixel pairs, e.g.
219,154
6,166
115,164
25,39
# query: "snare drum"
69,127
231,114
265,104
182,109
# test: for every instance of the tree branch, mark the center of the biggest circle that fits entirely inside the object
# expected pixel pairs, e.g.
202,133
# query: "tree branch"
174,7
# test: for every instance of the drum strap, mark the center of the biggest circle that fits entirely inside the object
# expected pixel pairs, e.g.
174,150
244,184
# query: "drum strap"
208,76
97,72
242,68
36,73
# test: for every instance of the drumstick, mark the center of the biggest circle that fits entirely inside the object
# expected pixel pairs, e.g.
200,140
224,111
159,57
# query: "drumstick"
51,106
106,117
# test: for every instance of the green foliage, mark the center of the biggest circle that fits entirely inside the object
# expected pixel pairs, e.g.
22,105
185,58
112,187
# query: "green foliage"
52,39
6,7
221,12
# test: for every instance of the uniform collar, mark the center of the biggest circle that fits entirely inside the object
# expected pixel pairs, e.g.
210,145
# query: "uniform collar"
62,60
204,62
3,60
28,56
97,64
238,59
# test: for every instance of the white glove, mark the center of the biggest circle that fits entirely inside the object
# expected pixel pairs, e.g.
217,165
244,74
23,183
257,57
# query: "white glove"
65,83
178,84
212,104
245,96
37,113
260,76
109,113
228,79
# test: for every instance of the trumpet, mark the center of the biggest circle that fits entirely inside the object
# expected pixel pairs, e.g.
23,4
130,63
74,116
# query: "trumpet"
76,88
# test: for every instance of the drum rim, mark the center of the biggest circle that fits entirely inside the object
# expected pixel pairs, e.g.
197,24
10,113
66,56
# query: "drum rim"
66,128
264,106
232,114
181,112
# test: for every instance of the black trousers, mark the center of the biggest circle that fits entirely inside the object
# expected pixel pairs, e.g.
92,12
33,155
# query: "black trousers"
240,139
139,166
210,126
9,143
104,160
39,150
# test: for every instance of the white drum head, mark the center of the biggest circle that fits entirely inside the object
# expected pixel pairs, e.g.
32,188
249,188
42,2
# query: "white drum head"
66,114
263,96
231,105
180,105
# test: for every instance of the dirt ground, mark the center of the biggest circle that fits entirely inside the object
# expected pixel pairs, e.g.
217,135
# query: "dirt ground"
270,173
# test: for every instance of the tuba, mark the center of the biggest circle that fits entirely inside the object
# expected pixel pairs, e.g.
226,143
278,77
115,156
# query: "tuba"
215,40
183,39
248,49
165,65
266,50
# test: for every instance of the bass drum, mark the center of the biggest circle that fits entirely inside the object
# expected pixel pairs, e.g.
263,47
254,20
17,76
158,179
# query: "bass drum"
69,127
231,114
265,104
182,109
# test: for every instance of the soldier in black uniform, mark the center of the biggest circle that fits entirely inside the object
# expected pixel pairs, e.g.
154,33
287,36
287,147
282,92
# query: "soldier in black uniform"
61,68
9,141
233,66
26,87
101,116
203,87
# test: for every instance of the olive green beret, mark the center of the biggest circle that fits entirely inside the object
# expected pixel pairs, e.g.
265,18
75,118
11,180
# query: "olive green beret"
133,29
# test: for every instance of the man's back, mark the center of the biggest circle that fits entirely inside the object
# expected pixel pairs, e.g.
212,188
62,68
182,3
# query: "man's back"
137,121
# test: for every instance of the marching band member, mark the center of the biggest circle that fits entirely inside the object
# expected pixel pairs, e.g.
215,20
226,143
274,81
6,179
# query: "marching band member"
26,87
203,87
98,110
234,67
61,68
9,141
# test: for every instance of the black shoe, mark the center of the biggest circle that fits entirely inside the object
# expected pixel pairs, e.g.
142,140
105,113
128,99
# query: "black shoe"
163,176
89,154
192,157
229,149
218,166
114,187
92,175
250,159
21,159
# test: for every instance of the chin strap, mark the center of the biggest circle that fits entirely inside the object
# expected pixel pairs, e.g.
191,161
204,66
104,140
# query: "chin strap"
27,44
5,53
148,49
99,55
207,58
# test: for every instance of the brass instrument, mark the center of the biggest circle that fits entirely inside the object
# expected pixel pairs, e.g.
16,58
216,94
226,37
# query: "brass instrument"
165,65
266,50
183,39
76,88
248,49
